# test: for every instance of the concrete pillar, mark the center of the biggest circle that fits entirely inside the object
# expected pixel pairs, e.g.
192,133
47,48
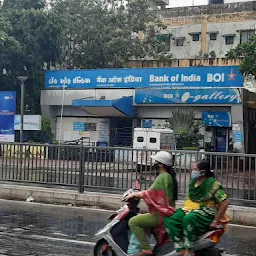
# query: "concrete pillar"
204,36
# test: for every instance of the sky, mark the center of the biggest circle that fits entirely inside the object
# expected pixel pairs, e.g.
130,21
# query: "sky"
177,3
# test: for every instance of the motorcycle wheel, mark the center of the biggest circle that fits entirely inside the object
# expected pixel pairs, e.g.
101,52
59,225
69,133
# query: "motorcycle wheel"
213,251
99,249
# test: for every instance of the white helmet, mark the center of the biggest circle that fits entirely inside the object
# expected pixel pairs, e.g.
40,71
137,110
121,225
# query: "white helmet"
163,157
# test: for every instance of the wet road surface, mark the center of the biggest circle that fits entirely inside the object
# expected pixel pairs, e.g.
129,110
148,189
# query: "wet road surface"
44,230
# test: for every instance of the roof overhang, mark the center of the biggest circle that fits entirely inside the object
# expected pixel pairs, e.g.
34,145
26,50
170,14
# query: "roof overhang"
122,107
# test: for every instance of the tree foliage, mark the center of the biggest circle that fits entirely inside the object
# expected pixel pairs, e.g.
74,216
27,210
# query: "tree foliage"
29,38
104,33
186,129
247,53
72,34
23,4
45,135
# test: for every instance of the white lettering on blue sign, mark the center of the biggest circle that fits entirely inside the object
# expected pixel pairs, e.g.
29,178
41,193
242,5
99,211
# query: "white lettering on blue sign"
53,81
216,96
101,79
168,96
132,79
65,81
81,80
191,78
147,77
175,78
216,78
192,96
115,79
157,79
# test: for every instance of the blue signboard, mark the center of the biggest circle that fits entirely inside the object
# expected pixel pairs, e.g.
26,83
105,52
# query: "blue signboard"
146,78
78,126
147,123
220,119
7,114
238,137
188,96
101,144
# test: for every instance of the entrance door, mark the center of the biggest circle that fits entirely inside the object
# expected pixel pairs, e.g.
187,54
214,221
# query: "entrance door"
121,132
221,139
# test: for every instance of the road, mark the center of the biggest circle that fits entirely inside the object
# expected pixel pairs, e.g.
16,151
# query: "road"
46,230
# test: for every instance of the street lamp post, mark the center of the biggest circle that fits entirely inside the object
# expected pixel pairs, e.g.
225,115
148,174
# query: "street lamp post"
22,79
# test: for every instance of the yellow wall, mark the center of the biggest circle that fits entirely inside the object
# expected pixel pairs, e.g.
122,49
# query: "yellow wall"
184,63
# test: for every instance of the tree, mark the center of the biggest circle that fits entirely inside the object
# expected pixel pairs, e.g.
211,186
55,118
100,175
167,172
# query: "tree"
24,4
186,129
247,53
45,135
105,33
29,39
75,34
7,43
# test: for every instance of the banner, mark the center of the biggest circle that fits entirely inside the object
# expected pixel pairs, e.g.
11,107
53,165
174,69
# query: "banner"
145,78
30,123
79,126
188,96
7,113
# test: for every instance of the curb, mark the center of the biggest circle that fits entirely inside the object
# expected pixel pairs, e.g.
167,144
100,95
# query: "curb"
238,214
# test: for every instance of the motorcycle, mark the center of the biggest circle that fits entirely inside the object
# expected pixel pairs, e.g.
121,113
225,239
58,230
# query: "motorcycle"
113,239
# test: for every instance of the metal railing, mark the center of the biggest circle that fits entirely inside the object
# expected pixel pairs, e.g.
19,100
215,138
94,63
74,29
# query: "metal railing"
107,169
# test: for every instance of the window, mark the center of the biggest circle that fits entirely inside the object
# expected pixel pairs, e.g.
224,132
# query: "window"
152,140
179,41
167,43
245,35
213,36
229,40
140,139
195,37
166,40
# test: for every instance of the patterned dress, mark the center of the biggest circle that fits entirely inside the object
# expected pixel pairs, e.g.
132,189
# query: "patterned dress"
197,213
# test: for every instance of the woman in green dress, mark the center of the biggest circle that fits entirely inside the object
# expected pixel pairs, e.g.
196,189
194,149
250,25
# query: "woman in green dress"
205,205
160,199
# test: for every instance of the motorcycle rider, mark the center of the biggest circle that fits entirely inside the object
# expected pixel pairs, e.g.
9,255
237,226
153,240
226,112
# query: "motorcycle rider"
205,205
160,199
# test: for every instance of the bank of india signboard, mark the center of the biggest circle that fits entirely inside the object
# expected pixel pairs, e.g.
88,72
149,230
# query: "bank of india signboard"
145,78
188,96
7,113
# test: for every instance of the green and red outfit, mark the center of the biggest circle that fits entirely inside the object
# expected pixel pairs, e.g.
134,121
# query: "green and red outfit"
197,213
159,199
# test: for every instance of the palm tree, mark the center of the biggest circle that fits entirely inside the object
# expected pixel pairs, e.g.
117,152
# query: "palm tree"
186,128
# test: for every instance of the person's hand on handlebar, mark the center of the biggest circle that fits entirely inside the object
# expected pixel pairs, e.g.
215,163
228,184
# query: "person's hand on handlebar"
137,195
216,225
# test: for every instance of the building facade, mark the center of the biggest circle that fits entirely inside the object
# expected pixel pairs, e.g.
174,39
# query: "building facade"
209,31
104,106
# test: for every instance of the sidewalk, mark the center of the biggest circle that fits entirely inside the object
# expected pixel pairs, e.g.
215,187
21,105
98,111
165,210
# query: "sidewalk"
238,214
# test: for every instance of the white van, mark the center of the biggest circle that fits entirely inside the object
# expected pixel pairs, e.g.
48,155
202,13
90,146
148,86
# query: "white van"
152,140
